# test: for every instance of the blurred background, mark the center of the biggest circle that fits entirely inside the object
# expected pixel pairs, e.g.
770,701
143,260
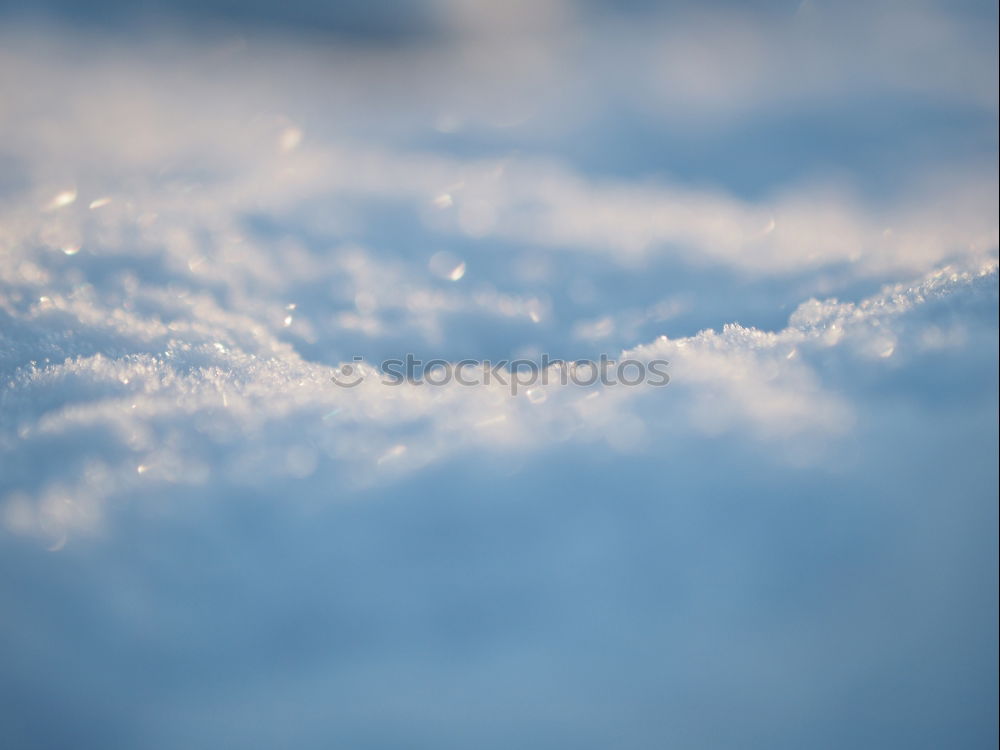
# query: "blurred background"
206,208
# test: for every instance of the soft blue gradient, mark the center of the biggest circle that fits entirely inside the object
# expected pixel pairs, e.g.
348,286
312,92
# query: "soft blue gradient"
701,592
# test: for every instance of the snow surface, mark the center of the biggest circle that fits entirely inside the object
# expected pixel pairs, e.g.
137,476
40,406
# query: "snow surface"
205,542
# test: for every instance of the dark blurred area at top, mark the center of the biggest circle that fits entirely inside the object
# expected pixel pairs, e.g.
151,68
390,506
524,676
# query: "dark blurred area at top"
365,21
362,21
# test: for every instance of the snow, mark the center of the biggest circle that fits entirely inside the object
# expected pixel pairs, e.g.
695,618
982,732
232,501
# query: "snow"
205,541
